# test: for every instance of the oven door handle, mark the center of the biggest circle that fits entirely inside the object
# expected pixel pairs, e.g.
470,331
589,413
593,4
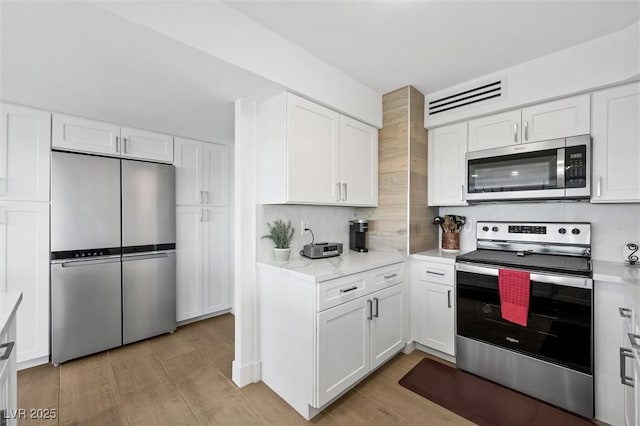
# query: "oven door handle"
541,278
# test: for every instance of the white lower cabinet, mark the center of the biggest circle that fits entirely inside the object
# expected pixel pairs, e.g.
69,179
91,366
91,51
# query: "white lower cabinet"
321,338
24,267
433,312
202,282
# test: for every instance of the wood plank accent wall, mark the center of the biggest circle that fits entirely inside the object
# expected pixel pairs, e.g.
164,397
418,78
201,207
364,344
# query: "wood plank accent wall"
401,222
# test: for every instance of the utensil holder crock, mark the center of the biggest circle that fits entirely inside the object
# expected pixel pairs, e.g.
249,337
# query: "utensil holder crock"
451,241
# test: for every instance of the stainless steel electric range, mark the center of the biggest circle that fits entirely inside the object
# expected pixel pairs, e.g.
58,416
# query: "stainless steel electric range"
551,358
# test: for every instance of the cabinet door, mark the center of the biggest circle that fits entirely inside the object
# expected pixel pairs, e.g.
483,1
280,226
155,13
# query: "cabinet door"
146,145
495,131
439,326
215,272
80,134
215,177
313,157
616,150
447,148
24,154
387,325
358,163
557,119
189,262
189,162
343,348
24,266
8,379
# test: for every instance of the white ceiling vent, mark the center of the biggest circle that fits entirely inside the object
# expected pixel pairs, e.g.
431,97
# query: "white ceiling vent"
488,91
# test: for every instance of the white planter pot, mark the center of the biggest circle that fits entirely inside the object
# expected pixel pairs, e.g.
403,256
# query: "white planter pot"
282,255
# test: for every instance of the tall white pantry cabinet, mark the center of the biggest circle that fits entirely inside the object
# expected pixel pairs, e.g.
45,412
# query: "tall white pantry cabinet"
24,224
202,231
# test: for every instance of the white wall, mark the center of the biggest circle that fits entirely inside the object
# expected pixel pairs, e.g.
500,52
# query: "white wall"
612,225
329,224
605,61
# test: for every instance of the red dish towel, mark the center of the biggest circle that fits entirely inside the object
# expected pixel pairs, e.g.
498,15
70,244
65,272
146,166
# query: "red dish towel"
514,295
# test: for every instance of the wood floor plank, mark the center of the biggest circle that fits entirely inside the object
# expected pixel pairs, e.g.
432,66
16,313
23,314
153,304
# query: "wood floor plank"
186,366
39,388
140,372
171,345
158,406
89,394
216,401
270,406
355,408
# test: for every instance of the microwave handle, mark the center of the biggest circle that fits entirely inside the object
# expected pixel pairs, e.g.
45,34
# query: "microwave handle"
560,167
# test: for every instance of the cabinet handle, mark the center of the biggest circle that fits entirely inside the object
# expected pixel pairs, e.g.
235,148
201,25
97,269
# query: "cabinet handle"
599,186
124,145
449,298
370,307
625,312
628,381
633,339
461,192
347,290
206,197
344,187
118,144
201,197
202,215
515,132
8,347
375,299
3,216
339,192
441,274
206,215
526,130
388,277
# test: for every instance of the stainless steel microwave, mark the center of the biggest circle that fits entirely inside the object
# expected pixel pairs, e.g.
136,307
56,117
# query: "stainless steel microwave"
553,169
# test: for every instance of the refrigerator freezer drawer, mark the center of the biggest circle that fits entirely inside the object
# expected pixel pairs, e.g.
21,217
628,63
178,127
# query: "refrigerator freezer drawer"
149,295
85,307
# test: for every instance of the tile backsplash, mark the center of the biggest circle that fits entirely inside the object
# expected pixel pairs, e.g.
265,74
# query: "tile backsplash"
612,225
328,223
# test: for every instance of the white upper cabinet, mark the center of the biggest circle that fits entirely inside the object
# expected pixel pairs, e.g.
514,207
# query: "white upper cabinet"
146,145
79,134
550,120
358,162
313,157
557,119
83,135
310,154
616,144
447,147
495,131
24,154
202,173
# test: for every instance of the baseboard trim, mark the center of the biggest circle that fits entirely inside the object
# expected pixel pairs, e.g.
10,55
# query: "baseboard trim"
246,374
33,362
204,317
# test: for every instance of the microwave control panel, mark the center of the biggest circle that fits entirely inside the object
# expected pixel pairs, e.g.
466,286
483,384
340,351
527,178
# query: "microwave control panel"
575,163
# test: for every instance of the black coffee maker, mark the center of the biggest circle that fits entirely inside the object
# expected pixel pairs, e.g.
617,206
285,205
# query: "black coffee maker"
357,231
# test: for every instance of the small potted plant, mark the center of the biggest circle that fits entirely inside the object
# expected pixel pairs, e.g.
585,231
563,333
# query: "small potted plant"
281,234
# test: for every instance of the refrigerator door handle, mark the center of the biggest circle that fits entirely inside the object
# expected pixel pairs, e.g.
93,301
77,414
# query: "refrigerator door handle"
86,262
128,257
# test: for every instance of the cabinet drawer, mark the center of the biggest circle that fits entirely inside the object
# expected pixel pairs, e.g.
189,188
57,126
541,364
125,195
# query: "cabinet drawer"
335,292
387,276
435,272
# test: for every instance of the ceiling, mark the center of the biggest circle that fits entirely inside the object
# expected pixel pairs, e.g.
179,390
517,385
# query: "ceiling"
77,58
431,44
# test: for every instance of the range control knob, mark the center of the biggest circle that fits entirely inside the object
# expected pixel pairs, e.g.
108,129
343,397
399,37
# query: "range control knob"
494,229
562,231
575,231
485,228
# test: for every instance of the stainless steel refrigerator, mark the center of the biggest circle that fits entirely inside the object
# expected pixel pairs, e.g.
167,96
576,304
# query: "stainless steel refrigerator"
113,276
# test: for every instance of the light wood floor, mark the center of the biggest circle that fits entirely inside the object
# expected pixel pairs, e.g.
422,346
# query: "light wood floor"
184,378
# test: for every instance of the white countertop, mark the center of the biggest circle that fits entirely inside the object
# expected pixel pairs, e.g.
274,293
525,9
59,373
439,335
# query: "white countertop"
317,270
8,305
616,272
438,255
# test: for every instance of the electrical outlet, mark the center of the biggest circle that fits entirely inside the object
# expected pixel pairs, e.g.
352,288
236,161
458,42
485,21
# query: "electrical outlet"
304,224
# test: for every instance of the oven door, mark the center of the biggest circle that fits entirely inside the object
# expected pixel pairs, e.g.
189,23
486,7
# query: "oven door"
560,322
